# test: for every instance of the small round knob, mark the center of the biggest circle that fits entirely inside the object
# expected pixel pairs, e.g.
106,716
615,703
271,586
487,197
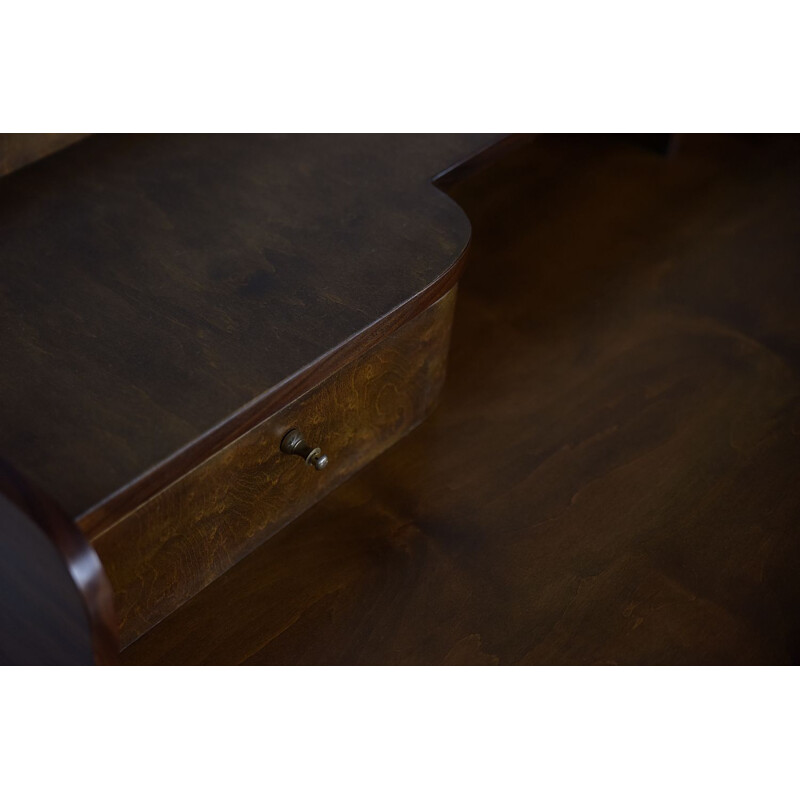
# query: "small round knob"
294,444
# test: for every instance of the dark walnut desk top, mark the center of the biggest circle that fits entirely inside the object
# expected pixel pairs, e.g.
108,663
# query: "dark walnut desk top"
159,293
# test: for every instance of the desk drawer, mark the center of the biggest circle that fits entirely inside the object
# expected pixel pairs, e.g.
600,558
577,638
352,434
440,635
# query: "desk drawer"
183,538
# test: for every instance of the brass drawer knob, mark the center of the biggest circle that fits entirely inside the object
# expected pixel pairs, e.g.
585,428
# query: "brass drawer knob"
294,444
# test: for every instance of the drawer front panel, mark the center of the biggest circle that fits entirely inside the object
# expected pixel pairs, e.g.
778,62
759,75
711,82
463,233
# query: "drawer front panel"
174,545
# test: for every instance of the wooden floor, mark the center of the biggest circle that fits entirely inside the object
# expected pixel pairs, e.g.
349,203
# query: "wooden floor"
613,473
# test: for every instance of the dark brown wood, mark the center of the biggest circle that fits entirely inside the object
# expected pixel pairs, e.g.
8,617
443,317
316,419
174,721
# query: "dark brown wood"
177,543
163,294
134,495
20,149
612,474
56,603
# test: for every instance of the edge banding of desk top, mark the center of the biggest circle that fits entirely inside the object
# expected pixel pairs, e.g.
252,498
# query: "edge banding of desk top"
126,500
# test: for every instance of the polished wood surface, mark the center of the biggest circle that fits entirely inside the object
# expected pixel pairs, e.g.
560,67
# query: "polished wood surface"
189,534
19,149
612,474
56,604
163,294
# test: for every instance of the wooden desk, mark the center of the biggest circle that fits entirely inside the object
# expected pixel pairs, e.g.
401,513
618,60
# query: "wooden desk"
173,305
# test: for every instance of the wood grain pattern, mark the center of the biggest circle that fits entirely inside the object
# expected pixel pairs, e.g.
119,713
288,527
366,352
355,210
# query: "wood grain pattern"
161,294
121,503
56,604
19,149
612,473
181,540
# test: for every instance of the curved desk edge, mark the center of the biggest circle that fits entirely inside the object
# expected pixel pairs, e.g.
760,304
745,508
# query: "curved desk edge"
96,520
40,514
